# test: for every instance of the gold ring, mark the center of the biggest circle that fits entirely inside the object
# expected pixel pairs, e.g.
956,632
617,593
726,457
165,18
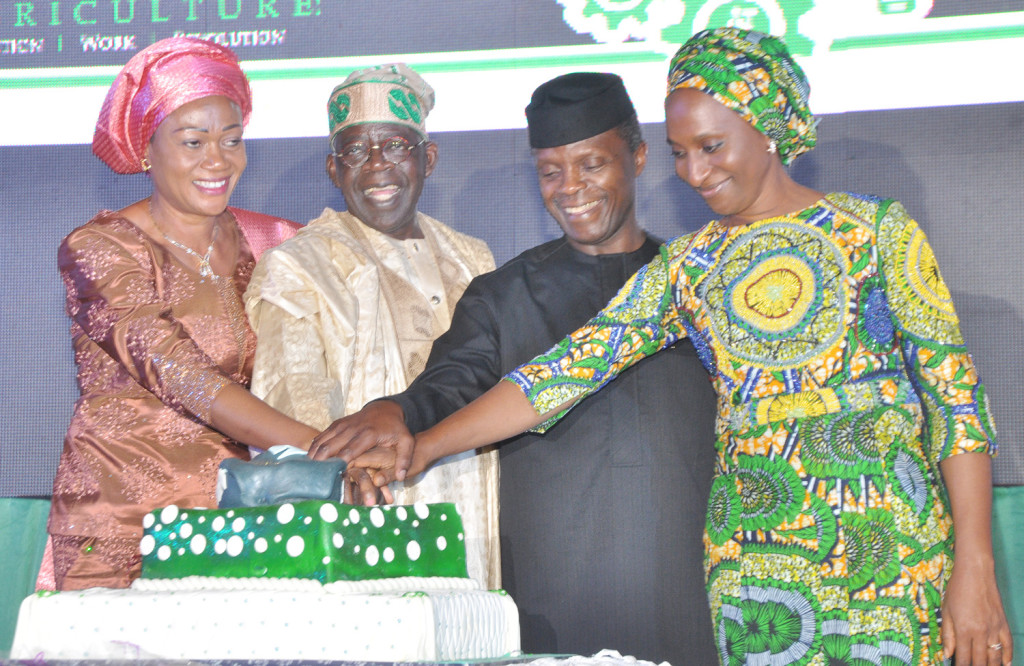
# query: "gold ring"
996,646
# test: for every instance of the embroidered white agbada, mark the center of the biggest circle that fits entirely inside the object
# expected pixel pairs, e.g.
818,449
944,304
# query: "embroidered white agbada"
344,314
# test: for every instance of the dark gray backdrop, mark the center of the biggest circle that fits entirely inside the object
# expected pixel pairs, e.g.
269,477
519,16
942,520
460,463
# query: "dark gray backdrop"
957,170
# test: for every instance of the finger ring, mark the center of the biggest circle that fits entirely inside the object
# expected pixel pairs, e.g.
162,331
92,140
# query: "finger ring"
996,646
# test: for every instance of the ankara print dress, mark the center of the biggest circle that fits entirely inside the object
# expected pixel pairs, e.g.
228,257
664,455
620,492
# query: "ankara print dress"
842,382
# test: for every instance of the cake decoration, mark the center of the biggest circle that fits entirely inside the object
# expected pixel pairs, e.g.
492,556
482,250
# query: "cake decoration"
278,475
311,539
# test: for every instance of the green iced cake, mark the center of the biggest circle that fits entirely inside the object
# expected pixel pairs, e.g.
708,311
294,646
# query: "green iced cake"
313,539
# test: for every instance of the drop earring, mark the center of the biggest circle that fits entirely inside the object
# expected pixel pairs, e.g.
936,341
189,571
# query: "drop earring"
773,147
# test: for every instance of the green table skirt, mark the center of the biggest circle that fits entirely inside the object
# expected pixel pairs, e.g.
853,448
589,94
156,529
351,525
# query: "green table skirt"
1008,543
22,541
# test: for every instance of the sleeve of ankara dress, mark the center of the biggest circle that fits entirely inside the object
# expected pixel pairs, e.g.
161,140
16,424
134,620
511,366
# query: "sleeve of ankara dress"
954,402
640,320
113,296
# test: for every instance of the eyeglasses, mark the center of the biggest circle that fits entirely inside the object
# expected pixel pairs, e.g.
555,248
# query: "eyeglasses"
394,150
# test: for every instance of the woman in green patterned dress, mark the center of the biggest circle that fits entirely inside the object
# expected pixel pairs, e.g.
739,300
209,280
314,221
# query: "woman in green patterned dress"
852,429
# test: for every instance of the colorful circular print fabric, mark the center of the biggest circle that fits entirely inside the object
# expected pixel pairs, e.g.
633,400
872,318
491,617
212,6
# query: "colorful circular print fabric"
776,296
917,287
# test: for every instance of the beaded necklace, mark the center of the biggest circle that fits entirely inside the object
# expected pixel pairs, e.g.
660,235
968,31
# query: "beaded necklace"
205,270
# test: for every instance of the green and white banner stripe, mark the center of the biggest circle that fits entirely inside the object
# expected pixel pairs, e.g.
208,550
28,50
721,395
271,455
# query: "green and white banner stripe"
857,59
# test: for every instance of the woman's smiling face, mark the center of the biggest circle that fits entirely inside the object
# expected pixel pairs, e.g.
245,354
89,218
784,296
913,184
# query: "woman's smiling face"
197,157
720,155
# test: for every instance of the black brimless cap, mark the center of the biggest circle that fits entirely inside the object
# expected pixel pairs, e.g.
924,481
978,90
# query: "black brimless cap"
577,106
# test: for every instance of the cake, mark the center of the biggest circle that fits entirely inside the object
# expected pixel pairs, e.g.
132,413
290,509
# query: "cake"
318,540
303,580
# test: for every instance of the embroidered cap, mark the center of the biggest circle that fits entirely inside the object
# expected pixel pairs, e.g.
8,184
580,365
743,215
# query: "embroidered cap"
385,94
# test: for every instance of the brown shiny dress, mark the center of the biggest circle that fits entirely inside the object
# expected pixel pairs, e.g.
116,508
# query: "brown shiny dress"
154,343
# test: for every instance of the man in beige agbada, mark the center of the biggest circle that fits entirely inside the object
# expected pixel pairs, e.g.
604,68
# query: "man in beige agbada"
346,311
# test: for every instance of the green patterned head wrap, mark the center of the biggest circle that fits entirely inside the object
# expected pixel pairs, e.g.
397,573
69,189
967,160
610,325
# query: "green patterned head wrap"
754,75
392,93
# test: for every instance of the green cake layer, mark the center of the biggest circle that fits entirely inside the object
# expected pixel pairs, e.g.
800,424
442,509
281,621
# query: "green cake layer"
311,539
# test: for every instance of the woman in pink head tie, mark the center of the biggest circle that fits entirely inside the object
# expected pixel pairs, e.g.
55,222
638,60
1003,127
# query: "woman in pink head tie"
163,348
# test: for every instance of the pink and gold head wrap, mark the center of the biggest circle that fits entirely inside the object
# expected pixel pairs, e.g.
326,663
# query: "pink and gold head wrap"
158,80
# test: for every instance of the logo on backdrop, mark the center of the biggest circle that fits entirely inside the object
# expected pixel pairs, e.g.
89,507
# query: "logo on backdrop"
808,26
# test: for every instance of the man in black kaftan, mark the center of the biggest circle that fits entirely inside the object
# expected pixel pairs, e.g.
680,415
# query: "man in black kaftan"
601,518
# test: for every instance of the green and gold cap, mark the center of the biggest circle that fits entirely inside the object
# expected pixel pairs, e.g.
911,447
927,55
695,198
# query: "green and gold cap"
392,93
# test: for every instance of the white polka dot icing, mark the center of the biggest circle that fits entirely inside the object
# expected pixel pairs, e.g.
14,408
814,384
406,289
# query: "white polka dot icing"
295,545
148,520
198,544
235,545
391,541
168,514
147,544
163,553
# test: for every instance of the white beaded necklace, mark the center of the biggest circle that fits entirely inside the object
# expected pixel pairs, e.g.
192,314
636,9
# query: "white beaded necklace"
205,270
